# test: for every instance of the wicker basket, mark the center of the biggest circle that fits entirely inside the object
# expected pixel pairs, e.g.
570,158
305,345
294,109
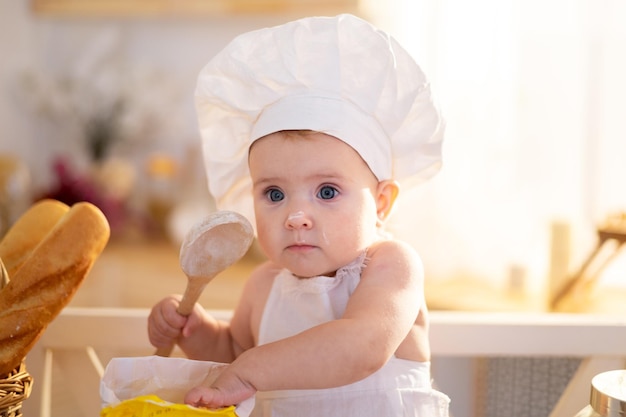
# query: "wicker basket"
16,386
14,389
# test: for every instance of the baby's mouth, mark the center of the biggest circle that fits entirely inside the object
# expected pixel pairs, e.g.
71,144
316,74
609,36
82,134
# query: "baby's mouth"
300,246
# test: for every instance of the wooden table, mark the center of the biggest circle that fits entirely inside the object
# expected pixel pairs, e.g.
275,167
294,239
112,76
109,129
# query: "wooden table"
137,274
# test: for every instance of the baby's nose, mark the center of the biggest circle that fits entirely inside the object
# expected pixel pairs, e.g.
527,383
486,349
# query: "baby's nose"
298,220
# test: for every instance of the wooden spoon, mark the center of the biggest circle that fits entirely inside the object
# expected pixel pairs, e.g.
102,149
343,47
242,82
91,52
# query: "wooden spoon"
212,245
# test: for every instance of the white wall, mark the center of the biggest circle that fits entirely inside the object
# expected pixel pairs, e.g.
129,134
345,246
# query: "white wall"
178,48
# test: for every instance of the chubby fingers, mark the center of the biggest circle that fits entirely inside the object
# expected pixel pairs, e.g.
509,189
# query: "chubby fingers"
206,397
165,324
228,389
194,321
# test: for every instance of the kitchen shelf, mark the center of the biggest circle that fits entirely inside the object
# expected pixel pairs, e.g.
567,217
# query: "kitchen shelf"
188,8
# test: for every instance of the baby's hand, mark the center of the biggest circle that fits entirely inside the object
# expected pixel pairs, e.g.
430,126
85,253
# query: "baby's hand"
165,324
192,333
227,390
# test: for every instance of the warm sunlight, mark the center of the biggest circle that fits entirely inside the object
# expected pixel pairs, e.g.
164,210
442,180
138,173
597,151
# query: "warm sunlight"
535,135
98,103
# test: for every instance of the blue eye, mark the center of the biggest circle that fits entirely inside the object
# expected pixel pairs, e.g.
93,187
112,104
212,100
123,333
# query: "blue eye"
327,192
275,194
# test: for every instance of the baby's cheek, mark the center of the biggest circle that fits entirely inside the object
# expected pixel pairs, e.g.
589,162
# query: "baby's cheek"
325,238
266,240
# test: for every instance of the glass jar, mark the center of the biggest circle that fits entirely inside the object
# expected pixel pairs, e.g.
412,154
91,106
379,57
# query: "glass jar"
608,396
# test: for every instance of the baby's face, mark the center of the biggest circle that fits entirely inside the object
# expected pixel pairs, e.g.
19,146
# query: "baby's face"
314,199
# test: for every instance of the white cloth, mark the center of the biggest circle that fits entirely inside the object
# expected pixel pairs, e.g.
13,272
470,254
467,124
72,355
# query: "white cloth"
337,75
168,378
401,388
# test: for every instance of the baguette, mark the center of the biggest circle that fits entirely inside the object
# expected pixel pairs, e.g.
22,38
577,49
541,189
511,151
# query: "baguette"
48,279
28,231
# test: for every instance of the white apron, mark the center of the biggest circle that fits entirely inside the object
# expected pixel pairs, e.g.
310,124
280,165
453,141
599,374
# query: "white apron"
401,388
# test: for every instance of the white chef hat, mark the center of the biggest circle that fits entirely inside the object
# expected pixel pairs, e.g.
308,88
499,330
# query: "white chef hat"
337,75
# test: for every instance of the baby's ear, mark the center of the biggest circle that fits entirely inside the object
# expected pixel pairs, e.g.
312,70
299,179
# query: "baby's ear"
386,193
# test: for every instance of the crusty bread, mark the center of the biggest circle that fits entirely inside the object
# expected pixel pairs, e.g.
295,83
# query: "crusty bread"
48,279
28,231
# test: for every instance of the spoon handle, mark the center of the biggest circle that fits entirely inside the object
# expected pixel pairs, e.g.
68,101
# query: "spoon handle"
192,293
195,286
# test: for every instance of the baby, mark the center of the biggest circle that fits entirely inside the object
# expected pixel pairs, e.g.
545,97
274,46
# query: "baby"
310,129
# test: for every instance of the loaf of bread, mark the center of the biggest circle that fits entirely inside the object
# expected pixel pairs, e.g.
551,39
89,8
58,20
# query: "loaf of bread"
48,279
26,233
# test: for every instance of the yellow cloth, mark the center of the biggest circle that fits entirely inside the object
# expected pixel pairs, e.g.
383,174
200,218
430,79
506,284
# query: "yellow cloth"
151,406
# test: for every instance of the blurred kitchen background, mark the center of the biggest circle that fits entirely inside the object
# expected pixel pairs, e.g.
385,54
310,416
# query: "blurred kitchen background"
96,103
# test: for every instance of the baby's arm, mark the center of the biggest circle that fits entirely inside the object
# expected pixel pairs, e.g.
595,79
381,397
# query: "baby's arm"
378,317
